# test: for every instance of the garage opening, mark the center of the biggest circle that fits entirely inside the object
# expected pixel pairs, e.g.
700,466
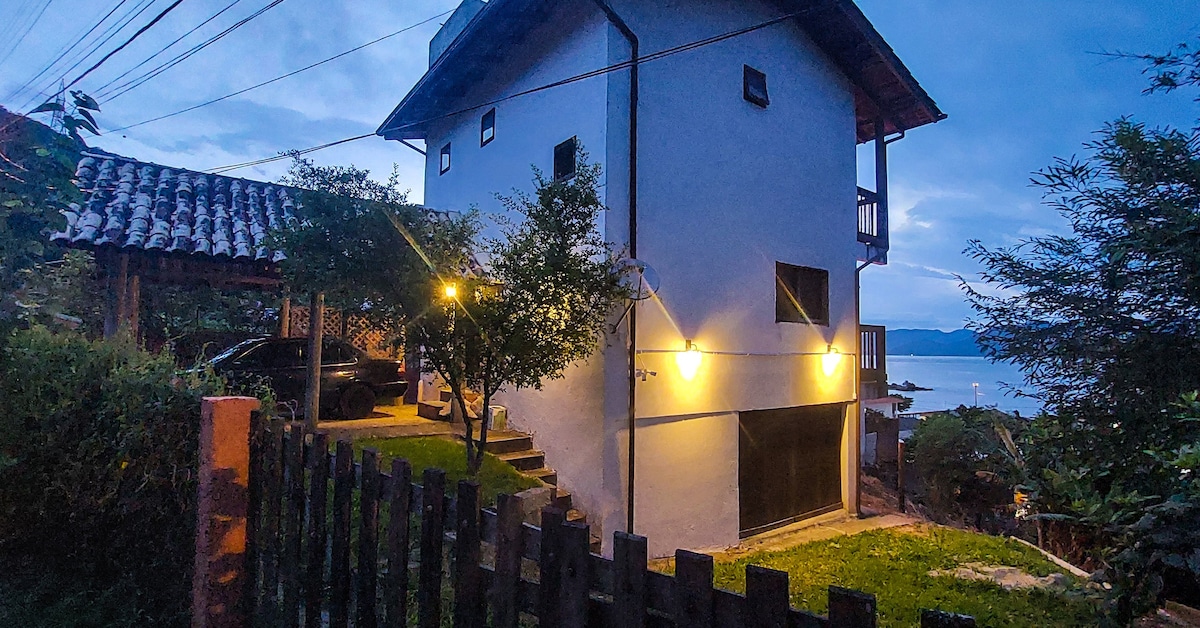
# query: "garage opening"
789,465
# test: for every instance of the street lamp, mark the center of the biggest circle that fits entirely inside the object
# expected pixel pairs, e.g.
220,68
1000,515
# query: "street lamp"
975,385
450,290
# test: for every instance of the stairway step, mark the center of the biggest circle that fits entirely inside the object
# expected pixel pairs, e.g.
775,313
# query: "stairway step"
574,515
525,460
595,544
508,442
562,499
545,474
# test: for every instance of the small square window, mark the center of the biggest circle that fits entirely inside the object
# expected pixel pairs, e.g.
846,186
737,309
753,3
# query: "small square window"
564,159
801,294
754,86
444,164
487,128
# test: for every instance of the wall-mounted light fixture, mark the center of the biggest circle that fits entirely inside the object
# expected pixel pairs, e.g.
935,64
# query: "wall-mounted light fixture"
450,290
689,360
830,361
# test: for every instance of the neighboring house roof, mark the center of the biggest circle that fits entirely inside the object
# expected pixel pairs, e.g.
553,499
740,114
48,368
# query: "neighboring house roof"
884,87
135,205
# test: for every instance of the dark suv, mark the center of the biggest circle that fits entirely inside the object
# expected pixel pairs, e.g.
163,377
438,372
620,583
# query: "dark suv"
350,381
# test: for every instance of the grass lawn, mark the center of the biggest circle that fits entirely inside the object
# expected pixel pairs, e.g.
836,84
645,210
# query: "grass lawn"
894,564
495,477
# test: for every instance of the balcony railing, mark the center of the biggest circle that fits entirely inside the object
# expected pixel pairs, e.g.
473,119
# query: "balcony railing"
873,361
871,225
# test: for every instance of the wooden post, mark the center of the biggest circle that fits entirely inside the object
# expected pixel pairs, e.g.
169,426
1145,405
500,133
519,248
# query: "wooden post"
851,609
900,474
122,290
470,609
629,586
506,585
285,318
396,584
693,589
218,587
133,297
575,575
293,524
339,569
766,598
368,540
550,563
314,586
429,585
316,324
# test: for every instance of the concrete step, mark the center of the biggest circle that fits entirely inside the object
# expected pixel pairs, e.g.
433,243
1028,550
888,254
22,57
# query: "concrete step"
575,515
527,460
508,442
595,544
562,499
545,474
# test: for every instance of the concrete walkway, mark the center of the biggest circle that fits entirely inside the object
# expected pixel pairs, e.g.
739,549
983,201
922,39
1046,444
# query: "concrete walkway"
395,421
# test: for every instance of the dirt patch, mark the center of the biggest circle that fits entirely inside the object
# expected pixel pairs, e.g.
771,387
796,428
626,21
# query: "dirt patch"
1008,577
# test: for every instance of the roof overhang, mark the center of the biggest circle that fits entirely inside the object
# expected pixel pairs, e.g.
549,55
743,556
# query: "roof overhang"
884,89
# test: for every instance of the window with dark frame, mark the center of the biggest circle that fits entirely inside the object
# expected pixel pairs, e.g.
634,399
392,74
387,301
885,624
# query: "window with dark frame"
487,128
754,86
801,294
564,159
444,163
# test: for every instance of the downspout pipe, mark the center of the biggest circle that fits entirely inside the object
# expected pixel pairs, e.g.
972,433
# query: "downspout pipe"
635,55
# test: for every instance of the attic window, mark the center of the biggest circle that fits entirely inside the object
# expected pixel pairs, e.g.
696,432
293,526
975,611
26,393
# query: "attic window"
444,164
801,294
564,159
487,128
754,86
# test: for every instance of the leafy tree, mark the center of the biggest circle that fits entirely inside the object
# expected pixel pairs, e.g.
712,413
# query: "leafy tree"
1104,323
539,307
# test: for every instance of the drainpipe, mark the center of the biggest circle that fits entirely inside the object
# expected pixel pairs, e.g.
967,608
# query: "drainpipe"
629,35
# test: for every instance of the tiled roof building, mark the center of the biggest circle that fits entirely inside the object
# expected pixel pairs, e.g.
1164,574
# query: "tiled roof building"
134,205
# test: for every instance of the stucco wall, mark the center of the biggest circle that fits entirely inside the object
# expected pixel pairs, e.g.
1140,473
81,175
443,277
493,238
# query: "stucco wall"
726,189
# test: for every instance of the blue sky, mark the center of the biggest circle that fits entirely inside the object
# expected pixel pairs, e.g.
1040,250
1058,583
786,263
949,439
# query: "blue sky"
1021,81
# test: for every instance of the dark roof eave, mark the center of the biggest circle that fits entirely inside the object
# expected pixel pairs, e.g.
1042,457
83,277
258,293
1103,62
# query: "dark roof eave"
908,108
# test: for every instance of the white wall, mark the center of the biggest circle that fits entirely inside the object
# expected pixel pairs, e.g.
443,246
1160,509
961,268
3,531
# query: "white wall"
726,189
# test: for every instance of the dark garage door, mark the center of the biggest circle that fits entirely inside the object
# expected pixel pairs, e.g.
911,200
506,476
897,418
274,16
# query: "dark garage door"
789,464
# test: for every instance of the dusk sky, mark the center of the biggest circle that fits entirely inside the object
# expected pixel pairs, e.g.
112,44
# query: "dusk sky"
1022,82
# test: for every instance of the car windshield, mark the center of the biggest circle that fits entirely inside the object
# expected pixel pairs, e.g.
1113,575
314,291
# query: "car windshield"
233,351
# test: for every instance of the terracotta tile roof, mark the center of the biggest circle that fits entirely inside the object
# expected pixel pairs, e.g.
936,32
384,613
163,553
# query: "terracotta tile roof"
137,205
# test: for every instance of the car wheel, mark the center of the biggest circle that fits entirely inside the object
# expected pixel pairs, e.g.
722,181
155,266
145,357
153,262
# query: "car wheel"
356,402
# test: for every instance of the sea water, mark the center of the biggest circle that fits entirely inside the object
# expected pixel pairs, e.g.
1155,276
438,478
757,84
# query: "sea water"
951,378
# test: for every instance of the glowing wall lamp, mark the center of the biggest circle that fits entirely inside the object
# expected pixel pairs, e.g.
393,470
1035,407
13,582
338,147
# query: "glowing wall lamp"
830,361
450,290
689,360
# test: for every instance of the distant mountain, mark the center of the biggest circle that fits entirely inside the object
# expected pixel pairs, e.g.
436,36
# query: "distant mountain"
932,342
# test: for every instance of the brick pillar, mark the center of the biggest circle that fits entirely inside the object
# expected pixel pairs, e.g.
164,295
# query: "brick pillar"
220,569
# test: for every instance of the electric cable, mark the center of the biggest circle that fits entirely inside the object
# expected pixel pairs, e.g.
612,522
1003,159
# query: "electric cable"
108,56
100,91
281,77
573,79
26,33
132,84
66,50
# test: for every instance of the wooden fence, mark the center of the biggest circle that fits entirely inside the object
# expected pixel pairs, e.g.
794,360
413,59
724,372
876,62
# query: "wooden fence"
345,557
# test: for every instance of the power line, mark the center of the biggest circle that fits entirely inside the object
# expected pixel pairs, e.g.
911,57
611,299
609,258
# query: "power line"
141,30
573,79
100,91
26,33
104,38
280,78
65,51
137,82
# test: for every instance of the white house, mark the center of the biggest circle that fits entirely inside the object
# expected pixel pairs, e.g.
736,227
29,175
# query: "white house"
739,122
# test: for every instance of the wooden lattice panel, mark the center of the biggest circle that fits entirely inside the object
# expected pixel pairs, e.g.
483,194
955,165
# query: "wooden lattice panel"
356,330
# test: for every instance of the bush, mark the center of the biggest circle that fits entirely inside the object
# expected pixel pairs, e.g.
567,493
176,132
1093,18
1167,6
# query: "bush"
967,464
98,458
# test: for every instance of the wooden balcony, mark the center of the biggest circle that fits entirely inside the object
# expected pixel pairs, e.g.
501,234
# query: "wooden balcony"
873,361
872,227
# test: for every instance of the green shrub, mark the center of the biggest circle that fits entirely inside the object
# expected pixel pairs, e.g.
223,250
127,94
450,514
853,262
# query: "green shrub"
966,461
98,446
